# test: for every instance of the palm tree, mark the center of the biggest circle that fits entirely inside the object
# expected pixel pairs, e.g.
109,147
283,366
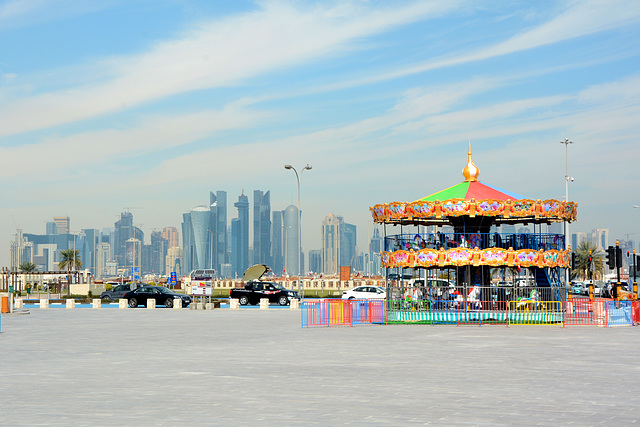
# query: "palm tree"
28,267
583,268
68,260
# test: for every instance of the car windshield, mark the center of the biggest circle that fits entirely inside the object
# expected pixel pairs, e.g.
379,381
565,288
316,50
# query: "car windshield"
279,286
164,290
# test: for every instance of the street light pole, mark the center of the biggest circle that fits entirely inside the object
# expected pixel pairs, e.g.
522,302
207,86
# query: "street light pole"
307,167
566,143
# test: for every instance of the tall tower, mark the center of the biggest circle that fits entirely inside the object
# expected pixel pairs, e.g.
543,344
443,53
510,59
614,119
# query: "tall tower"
195,238
291,254
218,227
331,237
172,236
277,243
241,236
262,228
348,245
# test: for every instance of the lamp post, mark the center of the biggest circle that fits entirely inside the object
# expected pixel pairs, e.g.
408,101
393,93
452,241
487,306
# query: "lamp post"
307,167
566,143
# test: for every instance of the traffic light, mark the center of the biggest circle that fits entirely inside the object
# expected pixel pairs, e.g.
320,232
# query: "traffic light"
611,257
618,257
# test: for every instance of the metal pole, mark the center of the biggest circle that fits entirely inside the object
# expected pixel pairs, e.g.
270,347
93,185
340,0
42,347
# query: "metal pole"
307,167
566,143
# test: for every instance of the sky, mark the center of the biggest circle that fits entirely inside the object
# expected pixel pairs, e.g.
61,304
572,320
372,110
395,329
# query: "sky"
147,105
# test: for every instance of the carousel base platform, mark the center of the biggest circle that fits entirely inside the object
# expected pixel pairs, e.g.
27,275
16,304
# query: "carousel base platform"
461,317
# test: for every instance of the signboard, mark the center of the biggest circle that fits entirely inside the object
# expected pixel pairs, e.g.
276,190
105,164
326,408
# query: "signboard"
173,279
345,273
202,288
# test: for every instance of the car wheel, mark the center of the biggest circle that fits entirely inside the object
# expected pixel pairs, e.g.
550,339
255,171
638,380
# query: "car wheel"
107,298
168,303
185,305
244,300
352,297
133,303
283,300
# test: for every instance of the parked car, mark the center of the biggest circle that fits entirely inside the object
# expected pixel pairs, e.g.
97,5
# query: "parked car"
577,288
365,292
116,292
162,295
255,290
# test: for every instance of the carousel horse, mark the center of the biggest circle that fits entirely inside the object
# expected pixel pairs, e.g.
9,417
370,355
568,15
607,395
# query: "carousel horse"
532,302
473,298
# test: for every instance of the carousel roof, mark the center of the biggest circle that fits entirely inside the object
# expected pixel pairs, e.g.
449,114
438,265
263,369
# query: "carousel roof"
471,190
473,198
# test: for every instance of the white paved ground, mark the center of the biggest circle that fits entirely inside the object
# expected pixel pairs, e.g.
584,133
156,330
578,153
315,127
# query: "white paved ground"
224,367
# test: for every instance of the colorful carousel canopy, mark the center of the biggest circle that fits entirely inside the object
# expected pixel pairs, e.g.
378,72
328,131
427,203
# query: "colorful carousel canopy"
472,198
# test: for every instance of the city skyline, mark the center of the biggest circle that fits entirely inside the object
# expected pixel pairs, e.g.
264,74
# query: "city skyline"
147,106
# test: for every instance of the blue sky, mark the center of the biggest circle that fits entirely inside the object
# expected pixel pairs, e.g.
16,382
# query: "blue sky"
152,104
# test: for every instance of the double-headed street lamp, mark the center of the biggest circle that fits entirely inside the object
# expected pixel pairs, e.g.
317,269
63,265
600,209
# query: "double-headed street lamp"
566,143
307,167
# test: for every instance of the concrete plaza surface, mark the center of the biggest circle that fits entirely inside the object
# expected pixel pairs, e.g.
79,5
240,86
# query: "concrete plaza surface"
247,367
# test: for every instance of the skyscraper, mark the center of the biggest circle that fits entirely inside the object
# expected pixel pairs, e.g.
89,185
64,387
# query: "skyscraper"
315,260
291,254
375,248
103,255
348,245
240,236
172,236
218,227
195,238
261,228
125,230
277,243
331,238
158,255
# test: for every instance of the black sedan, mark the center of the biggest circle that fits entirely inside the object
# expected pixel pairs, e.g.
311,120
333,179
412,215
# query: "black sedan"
162,295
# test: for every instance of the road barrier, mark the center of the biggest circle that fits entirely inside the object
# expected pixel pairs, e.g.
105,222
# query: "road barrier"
338,312
536,313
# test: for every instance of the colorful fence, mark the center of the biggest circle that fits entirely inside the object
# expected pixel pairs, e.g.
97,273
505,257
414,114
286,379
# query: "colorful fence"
338,312
577,312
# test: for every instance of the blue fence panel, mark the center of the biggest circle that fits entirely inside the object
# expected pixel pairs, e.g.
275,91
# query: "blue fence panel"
619,313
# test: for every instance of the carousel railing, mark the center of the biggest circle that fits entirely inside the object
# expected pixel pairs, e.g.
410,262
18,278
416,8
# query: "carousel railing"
545,241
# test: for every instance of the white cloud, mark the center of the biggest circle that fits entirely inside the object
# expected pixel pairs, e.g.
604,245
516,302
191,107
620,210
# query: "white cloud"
217,53
152,134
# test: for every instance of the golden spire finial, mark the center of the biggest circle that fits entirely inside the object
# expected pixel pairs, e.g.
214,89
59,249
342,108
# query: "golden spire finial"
470,171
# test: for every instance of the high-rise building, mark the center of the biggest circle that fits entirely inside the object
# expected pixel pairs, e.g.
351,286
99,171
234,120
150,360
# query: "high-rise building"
88,249
195,239
277,243
133,257
291,253
331,238
171,235
576,239
348,245
375,249
240,236
103,256
158,253
20,250
218,227
52,228
315,261
174,258
600,238
125,230
262,228
63,224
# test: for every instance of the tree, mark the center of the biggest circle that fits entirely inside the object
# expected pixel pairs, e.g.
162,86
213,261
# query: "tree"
28,267
69,259
583,268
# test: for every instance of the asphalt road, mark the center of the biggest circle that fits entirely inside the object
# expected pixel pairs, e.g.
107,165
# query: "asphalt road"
244,367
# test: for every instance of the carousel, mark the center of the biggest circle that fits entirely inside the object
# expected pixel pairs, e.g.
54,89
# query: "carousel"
472,246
